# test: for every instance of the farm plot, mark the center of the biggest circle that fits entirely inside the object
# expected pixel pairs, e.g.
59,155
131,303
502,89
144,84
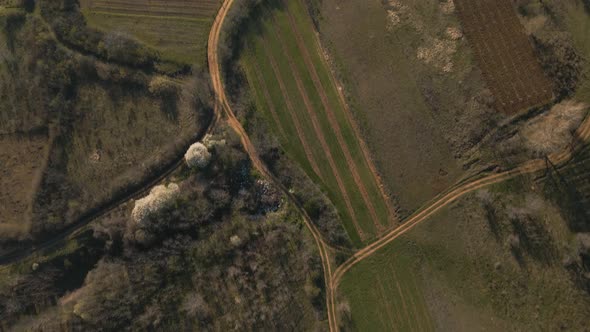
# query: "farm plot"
178,29
295,92
505,55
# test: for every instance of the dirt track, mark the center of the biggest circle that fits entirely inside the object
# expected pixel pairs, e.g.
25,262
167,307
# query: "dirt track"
333,280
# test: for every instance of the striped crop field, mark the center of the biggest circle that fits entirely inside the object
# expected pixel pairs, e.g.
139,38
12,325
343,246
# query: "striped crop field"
177,29
296,93
505,54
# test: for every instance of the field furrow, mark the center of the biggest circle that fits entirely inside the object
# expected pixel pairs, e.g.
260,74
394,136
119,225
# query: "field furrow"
291,110
306,101
319,134
334,124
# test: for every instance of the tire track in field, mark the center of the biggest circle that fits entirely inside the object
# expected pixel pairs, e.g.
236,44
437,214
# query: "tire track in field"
318,131
424,308
291,110
389,310
268,99
402,298
334,123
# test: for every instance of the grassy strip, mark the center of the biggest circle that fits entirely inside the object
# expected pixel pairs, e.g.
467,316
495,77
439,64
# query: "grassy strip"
304,25
266,40
309,90
289,37
257,52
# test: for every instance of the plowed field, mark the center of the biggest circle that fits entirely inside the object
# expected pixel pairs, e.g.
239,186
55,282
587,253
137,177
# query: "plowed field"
505,55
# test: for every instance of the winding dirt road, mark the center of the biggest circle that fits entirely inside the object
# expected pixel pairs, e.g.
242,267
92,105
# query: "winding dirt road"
222,104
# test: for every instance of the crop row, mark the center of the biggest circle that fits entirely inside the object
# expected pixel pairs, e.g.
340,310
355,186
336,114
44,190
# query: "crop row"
505,54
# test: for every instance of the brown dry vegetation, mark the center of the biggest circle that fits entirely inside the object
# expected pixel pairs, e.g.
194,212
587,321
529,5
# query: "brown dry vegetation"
504,54
22,161
113,129
421,120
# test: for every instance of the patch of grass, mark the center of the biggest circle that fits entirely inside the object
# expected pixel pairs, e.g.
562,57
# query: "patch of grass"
23,160
385,293
179,39
118,130
178,31
287,76
468,275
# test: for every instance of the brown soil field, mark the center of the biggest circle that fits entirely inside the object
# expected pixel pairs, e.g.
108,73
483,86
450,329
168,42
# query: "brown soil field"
504,54
22,161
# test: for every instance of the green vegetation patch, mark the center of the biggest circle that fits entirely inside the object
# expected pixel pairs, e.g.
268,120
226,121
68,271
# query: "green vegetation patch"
492,260
178,39
384,293
289,79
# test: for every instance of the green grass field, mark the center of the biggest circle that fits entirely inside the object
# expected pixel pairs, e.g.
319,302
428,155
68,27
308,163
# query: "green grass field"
292,87
178,32
385,294
456,271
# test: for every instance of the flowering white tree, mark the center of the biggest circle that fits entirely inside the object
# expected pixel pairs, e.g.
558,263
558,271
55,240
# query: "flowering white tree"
158,198
197,156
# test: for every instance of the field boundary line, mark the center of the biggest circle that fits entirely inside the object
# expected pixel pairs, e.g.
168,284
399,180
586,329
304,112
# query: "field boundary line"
334,122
